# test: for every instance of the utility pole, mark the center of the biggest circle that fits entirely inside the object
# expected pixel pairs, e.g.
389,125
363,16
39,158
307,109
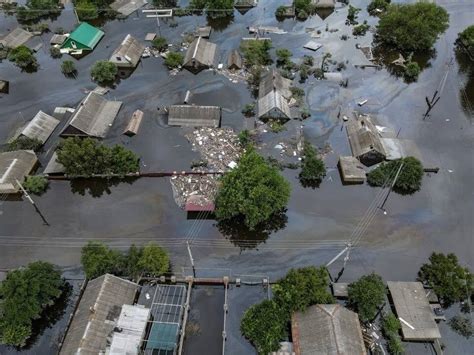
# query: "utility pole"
191,258
28,197
390,190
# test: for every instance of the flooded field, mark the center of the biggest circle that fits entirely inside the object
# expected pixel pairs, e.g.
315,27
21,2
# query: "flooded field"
318,221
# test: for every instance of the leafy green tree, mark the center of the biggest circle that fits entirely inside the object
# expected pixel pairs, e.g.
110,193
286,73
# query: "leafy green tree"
366,295
390,324
377,5
68,67
219,6
36,184
449,280
253,190
283,56
395,346
249,110
104,72
462,325
55,52
87,157
352,15
153,260
264,326
86,10
408,181
466,38
23,57
24,294
412,27
360,30
160,43
24,143
256,52
36,9
97,259
280,12
312,168
412,70
174,60
301,288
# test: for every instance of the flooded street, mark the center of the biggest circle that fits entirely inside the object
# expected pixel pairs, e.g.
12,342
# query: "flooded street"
319,221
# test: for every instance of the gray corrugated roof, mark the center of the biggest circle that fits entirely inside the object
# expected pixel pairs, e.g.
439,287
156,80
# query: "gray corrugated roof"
363,136
130,51
40,127
327,329
273,100
126,7
94,116
58,39
234,60
201,53
273,80
411,304
324,4
53,166
194,116
96,315
16,38
14,166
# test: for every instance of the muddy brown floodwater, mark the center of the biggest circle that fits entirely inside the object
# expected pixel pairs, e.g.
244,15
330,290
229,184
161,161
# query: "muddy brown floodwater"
318,221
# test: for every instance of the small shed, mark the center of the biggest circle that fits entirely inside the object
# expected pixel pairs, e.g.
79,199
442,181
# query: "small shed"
273,105
84,38
40,127
15,166
93,117
4,87
352,171
57,39
150,36
273,80
365,141
200,55
194,116
414,311
204,32
340,289
312,45
134,123
128,54
199,203
54,167
15,38
127,7
234,62
329,329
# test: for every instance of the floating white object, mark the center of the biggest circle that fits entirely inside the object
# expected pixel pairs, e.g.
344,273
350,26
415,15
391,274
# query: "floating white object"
362,103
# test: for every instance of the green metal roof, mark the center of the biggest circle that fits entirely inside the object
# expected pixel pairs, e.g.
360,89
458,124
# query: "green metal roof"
87,35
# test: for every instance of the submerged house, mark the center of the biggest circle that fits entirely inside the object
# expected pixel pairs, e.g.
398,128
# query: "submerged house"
194,116
273,80
15,166
273,93
365,141
83,38
128,54
200,55
40,127
93,117
127,7
15,38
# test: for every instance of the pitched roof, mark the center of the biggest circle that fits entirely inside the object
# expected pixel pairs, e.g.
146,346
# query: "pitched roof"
363,136
94,116
14,166
16,38
127,7
86,34
97,314
53,166
40,127
273,100
327,329
234,60
412,305
130,49
201,53
58,39
352,171
273,80
194,116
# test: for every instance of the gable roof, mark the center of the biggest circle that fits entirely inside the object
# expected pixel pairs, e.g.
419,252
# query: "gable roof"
200,52
16,38
130,49
14,166
273,80
364,136
234,60
273,100
85,34
40,127
194,116
94,116
97,314
327,329
127,7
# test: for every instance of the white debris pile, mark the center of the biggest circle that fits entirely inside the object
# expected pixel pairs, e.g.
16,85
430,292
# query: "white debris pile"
151,52
218,146
185,186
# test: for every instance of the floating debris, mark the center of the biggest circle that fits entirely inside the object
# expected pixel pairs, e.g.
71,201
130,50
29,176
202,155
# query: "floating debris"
185,186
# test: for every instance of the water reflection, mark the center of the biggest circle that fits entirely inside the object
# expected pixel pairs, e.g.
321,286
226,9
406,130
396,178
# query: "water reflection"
219,23
244,238
97,187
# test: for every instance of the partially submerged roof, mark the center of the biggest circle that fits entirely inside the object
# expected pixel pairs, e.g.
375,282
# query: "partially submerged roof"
364,137
235,60
323,4
58,39
273,80
194,116
130,51
413,310
200,54
312,45
94,117
352,170
198,203
127,7
97,314
54,167
16,38
272,102
203,32
40,127
134,123
86,35
327,329
15,166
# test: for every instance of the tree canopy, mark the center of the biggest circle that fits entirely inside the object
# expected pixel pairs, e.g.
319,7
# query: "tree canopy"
254,190
97,259
449,280
36,9
313,169
412,27
104,72
153,260
24,143
174,60
256,52
301,288
23,57
86,157
160,43
366,295
24,294
377,6
466,38
36,184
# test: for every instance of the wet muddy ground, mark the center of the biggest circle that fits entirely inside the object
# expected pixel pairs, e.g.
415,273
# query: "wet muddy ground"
437,218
